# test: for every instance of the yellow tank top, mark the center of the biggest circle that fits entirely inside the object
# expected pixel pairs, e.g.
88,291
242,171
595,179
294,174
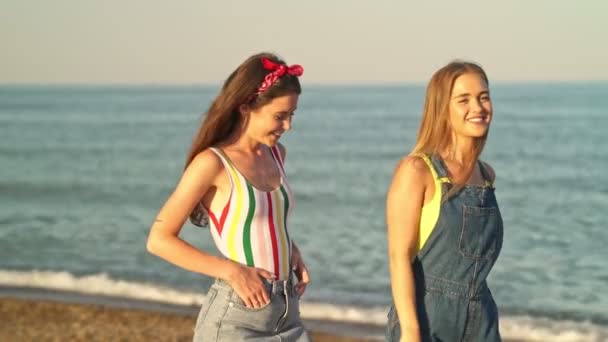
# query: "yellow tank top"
430,211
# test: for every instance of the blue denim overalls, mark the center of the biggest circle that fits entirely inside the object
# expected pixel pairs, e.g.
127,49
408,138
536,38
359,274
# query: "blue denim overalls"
453,301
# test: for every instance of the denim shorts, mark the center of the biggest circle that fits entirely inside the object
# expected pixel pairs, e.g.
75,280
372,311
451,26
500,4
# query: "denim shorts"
225,317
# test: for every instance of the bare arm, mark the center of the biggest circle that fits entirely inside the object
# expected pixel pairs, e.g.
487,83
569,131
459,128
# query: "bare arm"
297,261
403,208
203,173
164,240
300,269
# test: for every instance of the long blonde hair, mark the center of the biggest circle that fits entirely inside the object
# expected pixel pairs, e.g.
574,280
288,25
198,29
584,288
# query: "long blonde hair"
435,132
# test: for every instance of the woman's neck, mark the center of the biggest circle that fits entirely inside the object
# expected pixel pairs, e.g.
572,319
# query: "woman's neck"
460,152
242,142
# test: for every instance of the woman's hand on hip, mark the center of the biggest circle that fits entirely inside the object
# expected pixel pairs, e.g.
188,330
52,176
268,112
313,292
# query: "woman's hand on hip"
299,268
248,283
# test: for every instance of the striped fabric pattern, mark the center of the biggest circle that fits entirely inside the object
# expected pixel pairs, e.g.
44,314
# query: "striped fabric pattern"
252,227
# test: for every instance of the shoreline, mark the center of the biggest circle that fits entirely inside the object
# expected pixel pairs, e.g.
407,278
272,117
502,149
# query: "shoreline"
34,314
31,314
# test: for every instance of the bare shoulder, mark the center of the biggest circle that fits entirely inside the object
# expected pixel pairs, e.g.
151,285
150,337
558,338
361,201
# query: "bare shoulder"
490,170
206,163
283,151
406,193
203,172
411,174
412,167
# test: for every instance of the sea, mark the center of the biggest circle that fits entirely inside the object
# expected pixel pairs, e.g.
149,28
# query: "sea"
85,168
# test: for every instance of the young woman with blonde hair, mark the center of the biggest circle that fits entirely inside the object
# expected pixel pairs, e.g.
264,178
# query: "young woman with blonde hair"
444,227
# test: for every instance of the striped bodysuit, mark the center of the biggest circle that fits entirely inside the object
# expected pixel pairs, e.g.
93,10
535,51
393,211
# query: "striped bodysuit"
252,227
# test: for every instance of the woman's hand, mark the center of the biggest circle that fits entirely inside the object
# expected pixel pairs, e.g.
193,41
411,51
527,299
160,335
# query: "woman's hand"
299,268
414,338
248,284
412,335
409,332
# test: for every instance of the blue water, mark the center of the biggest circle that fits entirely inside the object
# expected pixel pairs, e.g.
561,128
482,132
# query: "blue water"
83,171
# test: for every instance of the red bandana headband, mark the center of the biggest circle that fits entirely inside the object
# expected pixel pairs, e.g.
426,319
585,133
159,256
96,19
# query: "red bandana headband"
277,71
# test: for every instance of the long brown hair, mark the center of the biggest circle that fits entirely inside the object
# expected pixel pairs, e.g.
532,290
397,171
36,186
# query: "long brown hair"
223,116
435,133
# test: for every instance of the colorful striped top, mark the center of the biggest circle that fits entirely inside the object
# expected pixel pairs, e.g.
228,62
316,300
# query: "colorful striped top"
252,227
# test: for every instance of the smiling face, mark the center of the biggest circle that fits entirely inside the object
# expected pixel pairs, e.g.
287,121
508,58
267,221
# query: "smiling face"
470,107
268,123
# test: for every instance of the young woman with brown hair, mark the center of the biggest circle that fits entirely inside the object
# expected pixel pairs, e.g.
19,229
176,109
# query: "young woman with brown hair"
235,182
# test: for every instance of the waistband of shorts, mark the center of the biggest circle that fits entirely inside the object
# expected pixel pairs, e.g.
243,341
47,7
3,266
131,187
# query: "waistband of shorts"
273,286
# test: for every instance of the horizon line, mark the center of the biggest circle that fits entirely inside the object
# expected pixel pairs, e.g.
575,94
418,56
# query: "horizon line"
313,84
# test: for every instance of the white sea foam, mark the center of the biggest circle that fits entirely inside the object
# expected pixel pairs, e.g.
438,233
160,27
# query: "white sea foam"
521,328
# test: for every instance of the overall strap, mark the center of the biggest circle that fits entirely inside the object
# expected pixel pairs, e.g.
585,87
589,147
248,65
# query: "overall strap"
442,172
485,174
437,170
440,168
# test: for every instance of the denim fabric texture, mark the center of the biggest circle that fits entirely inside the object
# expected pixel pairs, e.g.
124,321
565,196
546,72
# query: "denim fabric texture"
453,302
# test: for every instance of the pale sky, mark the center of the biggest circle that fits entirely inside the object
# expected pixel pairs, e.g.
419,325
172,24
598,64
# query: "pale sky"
337,41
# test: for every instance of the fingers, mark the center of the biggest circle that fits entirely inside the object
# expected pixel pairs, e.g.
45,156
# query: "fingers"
304,279
265,297
265,274
262,299
255,303
261,293
257,300
305,276
257,296
249,302
250,286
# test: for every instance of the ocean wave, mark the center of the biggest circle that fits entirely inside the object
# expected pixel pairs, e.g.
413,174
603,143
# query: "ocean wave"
513,327
98,284
542,329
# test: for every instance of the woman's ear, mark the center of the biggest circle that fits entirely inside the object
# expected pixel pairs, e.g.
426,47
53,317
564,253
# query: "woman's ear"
244,109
